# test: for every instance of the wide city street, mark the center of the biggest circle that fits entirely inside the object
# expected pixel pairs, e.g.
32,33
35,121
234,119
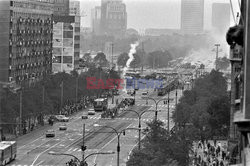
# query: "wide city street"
35,149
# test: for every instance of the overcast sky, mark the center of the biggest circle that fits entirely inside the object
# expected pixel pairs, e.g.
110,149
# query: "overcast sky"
144,14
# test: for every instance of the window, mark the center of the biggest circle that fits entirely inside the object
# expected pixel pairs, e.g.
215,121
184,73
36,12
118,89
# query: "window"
77,46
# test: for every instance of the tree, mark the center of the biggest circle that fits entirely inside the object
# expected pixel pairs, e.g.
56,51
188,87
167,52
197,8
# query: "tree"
122,59
223,63
162,148
100,59
205,106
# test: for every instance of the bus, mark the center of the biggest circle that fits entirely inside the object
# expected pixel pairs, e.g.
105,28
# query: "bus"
8,150
100,104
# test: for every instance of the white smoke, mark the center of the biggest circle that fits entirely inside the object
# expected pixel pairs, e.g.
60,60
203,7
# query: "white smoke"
207,56
131,58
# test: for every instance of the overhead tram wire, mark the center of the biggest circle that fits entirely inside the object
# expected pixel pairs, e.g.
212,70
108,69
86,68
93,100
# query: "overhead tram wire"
231,5
241,19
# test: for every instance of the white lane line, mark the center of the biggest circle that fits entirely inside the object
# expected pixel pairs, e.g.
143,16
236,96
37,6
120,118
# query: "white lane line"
44,152
38,164
30,143
94,161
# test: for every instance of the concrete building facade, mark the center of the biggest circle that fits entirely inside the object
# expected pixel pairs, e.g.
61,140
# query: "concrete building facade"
61,7
25,40
192,16
66,43
96,20
74,8
113,18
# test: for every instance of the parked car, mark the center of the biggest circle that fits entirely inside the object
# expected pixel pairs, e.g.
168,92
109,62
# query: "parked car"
84,116
144,94
91,111
62,118
50,133
63,127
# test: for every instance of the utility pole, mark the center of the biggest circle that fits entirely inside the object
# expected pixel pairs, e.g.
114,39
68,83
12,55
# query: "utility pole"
168,113
83,142
20,110
142,57
61,97
217,53
76,88
112,50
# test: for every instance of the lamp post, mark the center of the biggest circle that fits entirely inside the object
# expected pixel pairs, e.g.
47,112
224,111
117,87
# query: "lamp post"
156,105
84,160
118,133
139,125
77,78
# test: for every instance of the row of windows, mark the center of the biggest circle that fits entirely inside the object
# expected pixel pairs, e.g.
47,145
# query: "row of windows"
22,74
30,5
16,14
115,16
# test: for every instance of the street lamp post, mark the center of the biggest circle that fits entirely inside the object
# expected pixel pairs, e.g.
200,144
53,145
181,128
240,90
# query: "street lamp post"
84,159
139,125
118,133
76,88
156,105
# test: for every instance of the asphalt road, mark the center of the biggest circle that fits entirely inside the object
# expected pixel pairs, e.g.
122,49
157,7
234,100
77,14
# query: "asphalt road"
34,148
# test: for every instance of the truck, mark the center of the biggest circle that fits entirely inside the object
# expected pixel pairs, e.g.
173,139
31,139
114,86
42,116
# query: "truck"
8,151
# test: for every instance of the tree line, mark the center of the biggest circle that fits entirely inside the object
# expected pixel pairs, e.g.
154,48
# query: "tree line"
44,97
201,113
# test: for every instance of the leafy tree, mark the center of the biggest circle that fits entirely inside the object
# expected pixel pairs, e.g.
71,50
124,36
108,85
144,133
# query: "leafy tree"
205,106
122,59
161,148
223,63
100,59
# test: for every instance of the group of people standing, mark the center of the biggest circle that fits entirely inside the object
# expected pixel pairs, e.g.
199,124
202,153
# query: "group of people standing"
206,154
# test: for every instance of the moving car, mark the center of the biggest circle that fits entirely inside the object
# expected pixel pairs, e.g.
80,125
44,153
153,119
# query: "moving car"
91,112
144,94
84,116
50,133
62,118
63,127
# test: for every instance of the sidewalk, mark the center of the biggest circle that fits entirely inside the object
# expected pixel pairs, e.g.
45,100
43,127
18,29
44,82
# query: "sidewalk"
36,131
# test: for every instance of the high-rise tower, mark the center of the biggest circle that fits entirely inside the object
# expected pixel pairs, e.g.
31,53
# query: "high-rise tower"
113,18
192,15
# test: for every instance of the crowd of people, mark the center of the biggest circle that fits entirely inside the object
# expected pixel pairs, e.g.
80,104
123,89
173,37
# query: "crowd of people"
72,107
207,154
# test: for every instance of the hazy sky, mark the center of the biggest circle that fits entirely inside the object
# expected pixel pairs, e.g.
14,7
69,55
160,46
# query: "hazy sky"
154,13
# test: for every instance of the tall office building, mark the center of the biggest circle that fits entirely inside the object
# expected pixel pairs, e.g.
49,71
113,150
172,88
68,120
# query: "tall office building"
61,7
96,20
74,8
221,17
113,18
25,40
66,43
192,16
66,37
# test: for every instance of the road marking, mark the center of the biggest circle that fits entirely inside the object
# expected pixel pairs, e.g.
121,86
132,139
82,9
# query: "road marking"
94,161
29,143
38,164
43,152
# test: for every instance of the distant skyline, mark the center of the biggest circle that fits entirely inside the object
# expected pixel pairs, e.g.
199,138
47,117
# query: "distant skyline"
143,14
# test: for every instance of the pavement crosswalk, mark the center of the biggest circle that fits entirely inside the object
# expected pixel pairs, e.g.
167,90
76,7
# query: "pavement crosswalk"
126,119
